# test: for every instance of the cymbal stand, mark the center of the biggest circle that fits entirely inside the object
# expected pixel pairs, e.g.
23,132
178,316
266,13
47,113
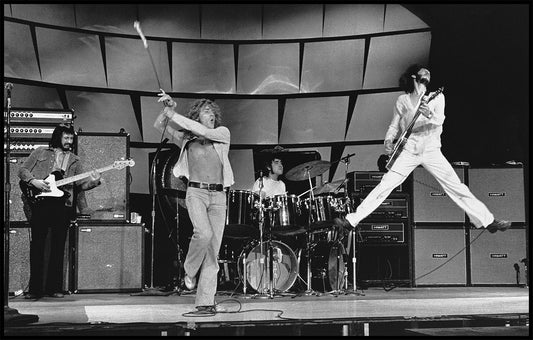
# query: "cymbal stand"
354,231
262,256
309,291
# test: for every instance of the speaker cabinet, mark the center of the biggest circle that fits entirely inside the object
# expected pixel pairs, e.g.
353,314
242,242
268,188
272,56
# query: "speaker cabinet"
110,200
109,258
493,256
430,202
502,190
380,263
19,259
439,255
19,209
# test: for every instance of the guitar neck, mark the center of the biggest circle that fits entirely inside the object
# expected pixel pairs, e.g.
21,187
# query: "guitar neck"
81,176
409,127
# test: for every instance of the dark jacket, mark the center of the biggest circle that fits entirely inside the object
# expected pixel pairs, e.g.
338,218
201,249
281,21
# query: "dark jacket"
40,163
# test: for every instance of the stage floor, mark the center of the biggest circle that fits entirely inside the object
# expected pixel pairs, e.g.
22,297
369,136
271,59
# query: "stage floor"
352,313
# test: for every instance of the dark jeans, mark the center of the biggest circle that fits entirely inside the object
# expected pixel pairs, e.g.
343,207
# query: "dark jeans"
48,218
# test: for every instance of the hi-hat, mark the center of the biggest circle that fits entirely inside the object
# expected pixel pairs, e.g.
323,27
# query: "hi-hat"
309,169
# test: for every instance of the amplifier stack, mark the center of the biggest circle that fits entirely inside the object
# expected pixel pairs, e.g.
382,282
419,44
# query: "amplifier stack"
29,129
449,250
383,236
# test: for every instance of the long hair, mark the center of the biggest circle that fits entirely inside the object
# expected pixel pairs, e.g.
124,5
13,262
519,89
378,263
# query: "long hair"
55,141
406,80
196,107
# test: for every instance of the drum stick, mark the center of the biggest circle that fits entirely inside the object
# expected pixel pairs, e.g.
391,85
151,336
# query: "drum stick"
137,27
305,192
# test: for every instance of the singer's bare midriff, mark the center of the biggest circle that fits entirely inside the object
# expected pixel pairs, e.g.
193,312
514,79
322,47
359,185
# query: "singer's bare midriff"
204,162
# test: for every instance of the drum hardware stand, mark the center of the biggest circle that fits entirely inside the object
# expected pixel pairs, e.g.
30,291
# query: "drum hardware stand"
354,291
309,291
262,256
354,231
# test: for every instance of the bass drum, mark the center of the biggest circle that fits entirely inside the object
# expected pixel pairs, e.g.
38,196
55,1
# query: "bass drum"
285,266
172,189
327,266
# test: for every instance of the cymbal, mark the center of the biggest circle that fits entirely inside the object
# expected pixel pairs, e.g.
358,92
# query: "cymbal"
329,187
309,169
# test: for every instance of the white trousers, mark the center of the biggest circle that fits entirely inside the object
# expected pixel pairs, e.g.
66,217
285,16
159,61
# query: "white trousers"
438,166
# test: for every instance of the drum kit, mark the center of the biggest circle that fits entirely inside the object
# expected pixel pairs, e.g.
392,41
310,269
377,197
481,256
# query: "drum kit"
269,266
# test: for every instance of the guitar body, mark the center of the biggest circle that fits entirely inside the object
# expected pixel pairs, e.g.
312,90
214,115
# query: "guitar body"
55,180
35,196
398,147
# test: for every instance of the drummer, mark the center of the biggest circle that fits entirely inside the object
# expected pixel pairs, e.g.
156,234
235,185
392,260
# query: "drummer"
271,183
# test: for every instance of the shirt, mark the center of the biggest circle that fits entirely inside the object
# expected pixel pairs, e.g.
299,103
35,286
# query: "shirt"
426,132
270,187
221,142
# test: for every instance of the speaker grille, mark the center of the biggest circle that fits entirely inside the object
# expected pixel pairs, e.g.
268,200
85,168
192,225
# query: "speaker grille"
492,257
19,210
434,251
430,202
502,191
19,259
109,257
110,200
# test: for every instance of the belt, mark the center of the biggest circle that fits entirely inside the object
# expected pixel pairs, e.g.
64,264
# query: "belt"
208,186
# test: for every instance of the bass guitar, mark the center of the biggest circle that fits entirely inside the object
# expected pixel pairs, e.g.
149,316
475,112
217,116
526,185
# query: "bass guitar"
398,147
56,180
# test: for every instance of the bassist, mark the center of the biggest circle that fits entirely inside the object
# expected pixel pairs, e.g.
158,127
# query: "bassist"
52,215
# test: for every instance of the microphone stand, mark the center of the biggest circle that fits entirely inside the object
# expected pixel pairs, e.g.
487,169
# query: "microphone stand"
11,315
261,294
152,291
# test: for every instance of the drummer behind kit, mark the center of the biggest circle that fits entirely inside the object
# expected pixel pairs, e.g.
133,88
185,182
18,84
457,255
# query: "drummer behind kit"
269,266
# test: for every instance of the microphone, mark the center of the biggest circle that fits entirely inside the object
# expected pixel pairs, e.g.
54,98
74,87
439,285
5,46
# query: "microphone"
8,86
164,141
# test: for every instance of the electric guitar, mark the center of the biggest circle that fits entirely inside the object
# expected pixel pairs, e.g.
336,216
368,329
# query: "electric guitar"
398,147
56,180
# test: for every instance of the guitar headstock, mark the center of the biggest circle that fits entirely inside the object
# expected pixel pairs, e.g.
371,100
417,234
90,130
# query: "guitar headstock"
121,164
436,93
